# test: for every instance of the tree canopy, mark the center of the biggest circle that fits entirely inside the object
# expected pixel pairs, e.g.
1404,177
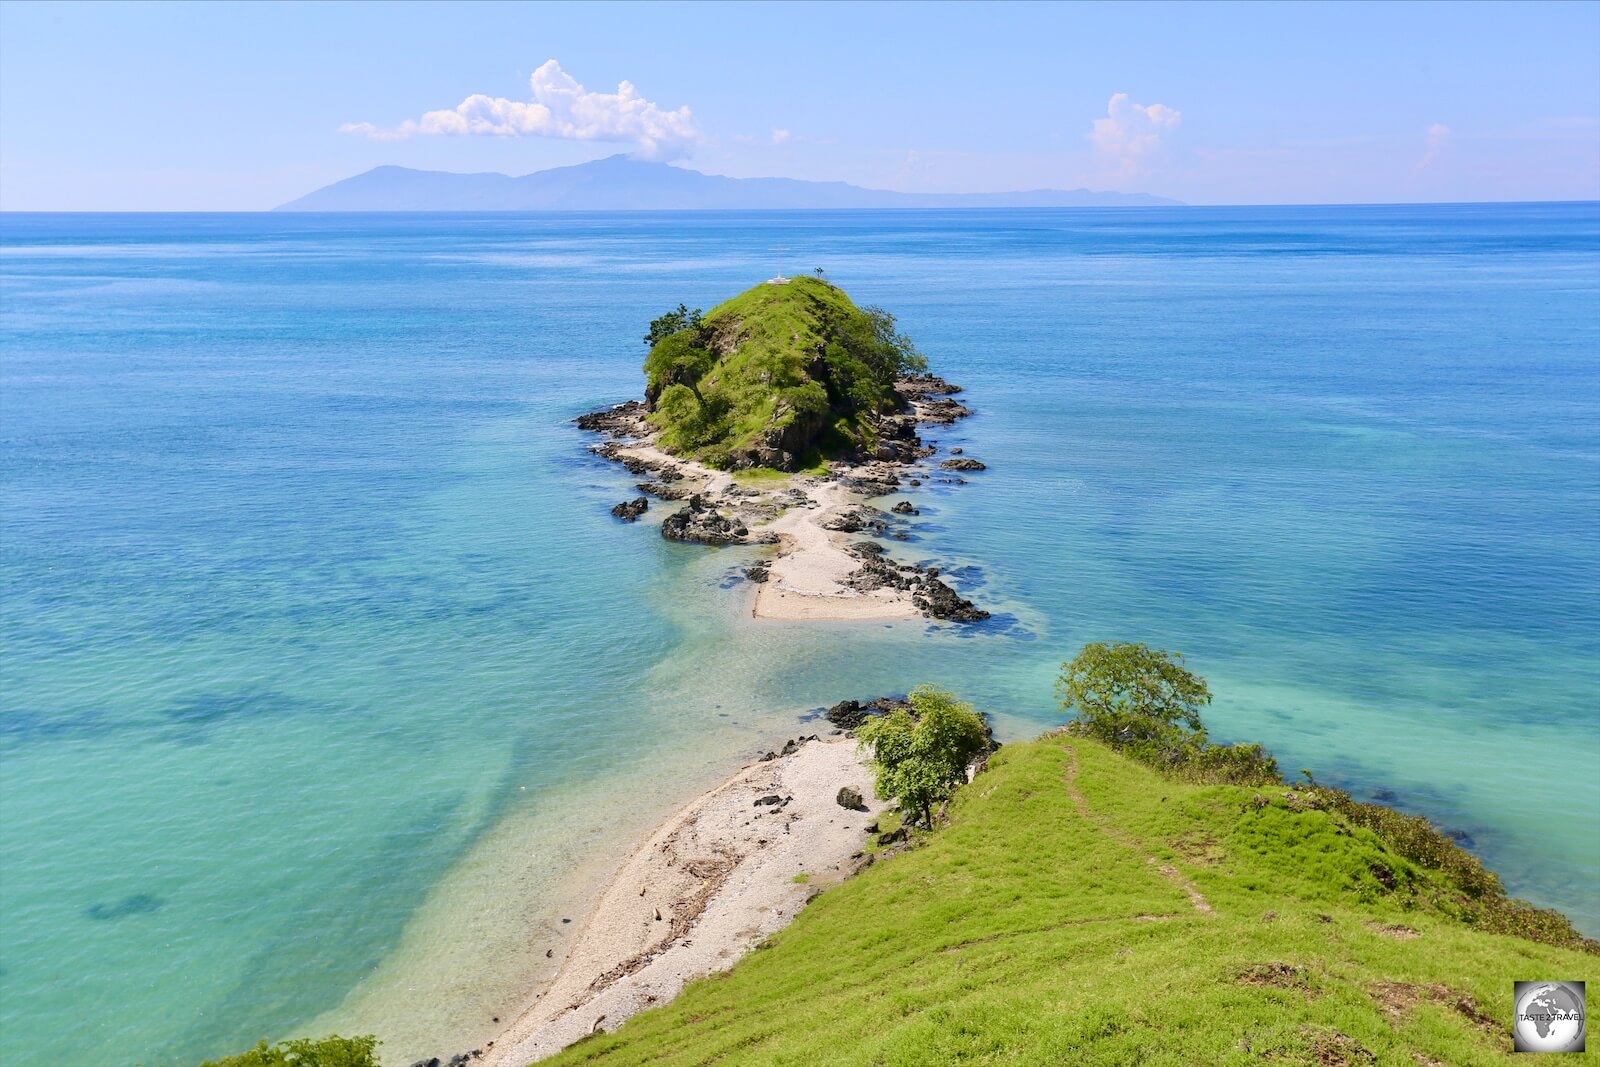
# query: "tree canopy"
774,374
674,321
919,756
1145,701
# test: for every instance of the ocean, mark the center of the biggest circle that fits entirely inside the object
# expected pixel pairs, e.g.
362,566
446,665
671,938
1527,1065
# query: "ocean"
329,687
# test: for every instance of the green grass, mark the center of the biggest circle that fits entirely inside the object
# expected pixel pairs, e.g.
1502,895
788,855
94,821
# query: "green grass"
1038,927
760,477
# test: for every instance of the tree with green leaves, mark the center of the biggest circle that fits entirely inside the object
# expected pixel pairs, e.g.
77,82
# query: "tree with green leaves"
1132,695
1147,703
675,321
677,359
919,756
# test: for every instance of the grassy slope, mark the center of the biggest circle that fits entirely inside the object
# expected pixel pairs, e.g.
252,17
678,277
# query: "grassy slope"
1039,928
769,333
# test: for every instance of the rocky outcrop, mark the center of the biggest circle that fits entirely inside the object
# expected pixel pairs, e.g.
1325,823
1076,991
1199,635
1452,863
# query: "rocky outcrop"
622,420
942,411
912,386
848,714
630,510
855,519
667,490
705,524
942,602
850,799
964,463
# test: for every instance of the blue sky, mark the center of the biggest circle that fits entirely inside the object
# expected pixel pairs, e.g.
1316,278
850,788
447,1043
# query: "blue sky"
137,106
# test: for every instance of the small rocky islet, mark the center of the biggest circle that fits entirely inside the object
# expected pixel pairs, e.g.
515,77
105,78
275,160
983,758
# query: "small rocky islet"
822,403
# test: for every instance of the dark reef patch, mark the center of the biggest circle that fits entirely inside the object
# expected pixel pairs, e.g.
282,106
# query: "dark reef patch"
137,904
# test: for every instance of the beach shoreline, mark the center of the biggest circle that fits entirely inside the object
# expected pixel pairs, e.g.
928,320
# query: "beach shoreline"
702,888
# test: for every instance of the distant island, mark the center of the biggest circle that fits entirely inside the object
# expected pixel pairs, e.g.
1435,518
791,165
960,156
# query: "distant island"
774,415
619,183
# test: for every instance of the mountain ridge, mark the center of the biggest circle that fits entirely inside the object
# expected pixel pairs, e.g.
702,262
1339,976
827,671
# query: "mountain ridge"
618,183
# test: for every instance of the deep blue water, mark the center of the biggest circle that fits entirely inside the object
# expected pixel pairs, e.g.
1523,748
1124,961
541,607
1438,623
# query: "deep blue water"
315,625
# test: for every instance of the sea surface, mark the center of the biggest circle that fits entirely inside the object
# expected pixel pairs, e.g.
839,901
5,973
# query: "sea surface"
329,687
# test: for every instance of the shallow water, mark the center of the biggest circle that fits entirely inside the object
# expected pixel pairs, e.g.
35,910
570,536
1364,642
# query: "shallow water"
325,667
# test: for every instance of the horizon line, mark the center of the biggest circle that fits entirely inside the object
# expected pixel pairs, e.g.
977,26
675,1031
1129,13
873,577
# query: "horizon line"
1175,206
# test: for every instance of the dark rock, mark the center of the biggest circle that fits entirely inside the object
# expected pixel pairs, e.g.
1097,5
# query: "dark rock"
847,714
965,463
942,412
623,419
914,385
630,510
893,837
955,451
703,523
916,481
863,549
769,757
850,799
877,572
790,747
942,602
904,508
757,573
855,519
772,798
666,490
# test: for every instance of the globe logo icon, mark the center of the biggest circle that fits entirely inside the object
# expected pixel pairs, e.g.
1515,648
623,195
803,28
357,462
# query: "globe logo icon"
1549,1017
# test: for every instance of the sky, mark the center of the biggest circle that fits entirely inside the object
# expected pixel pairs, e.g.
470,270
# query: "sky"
217,107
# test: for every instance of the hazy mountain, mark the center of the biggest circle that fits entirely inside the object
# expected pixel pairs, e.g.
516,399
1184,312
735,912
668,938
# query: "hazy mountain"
622,184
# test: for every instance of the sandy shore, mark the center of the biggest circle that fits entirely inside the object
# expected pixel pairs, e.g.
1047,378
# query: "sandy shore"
704,888
807,578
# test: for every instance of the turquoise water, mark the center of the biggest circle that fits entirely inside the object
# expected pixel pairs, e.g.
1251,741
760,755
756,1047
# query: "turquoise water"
329,686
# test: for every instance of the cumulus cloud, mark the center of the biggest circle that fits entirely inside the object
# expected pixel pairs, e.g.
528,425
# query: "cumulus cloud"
1130,135
1435,139
781,136
560,107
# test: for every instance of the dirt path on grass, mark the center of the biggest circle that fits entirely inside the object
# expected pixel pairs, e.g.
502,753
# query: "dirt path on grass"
1127,840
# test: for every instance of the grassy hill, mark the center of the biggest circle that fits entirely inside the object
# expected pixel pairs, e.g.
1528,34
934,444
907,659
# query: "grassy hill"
774,377
1080,908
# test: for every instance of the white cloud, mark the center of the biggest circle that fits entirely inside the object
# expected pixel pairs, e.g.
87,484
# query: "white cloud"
560,107
1130,135
1435,139
780,136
